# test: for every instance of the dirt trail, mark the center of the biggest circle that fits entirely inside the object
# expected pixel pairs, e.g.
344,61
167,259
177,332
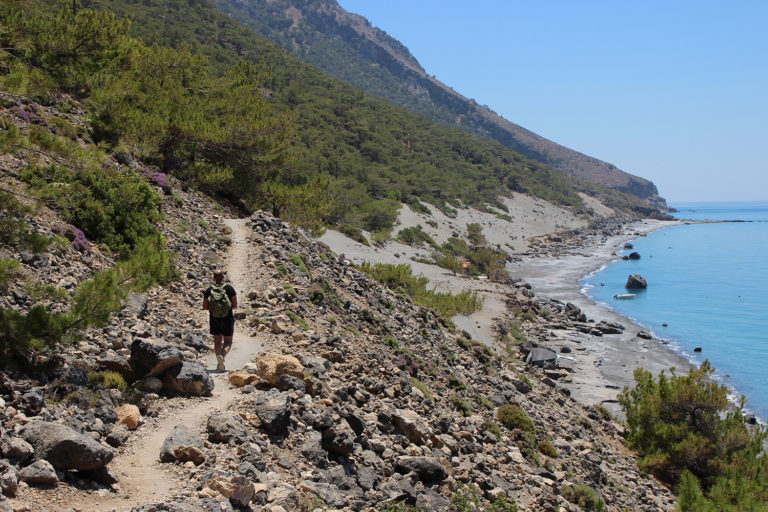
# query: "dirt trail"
144,480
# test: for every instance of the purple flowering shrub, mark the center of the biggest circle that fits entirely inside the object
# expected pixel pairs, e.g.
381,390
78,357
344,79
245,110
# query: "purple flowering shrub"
75,236
157,178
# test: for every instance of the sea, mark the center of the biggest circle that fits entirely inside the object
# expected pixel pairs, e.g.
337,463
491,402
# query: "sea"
707,288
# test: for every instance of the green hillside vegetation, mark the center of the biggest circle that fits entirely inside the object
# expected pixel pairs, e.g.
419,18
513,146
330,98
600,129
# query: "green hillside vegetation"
690,436
368,154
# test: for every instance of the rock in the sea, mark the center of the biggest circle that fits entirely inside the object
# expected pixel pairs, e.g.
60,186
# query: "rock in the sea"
64,447
40,472
636,282
188,379
274,411
153,357
634,256
175,445
272,366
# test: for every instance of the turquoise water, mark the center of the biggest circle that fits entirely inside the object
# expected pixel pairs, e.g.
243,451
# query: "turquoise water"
708,283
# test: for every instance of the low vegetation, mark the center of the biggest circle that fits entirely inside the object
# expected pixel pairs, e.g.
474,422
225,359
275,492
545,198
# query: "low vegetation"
690,436
401,278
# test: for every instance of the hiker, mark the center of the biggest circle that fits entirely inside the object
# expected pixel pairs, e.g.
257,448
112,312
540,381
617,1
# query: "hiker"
219,300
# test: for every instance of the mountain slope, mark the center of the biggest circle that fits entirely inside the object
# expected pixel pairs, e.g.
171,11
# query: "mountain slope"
347,47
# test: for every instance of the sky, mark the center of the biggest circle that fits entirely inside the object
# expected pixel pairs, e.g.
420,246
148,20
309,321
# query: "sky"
672,91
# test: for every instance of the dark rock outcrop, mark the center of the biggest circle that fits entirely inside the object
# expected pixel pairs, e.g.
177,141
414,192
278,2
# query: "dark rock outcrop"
64,447
636,282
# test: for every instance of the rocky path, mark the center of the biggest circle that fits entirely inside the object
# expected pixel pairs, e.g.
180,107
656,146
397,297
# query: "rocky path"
143,479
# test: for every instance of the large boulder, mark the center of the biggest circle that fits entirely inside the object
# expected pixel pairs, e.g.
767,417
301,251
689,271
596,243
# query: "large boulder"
188,379
636,282
225,426
271,367
274,411
9,479
428,469
181,444
153,357
64,447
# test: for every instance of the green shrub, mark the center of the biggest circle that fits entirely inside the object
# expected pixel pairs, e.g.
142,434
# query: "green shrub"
492,427
583,496
461,405
114,208
282,270
390,341
352,232
396,506
298,320
547,448
109,380
685,425
415,236
297,260
398,277
513,416
422,387
455,383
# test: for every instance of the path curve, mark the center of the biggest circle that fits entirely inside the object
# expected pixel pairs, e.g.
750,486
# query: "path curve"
143,479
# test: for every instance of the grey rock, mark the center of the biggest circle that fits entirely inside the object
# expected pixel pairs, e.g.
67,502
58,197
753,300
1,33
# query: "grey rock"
428,499
153,358
274,410
117,436
188,379
291,383
135,304
39,472
64,447
339,439
15,449
428,469
225,426
180,436
9,479
312,450
328,493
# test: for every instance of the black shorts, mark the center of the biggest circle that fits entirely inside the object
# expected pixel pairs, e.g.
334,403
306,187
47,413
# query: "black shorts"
224,326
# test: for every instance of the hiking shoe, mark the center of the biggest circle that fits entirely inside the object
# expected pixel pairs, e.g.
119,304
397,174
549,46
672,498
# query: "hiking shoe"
220,365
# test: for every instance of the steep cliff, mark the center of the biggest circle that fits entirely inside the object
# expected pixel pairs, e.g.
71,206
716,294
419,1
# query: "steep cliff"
348,47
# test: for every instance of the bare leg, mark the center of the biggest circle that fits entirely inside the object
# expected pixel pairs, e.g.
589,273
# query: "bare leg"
217,344
227,346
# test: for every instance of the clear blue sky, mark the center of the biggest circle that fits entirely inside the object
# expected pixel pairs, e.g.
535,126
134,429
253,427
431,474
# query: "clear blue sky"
673,91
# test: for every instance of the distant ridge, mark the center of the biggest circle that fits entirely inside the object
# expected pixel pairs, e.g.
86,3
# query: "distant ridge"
348,47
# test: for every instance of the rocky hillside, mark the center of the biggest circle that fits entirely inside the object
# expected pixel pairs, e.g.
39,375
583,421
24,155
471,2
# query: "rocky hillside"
356,399
347,47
